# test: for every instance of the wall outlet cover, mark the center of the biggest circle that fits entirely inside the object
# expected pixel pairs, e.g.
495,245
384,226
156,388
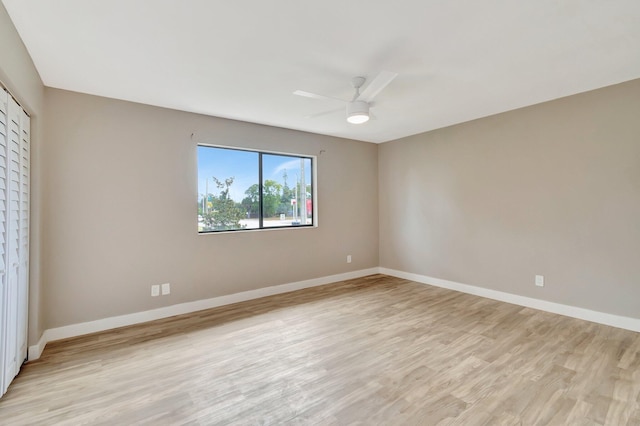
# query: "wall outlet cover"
166,289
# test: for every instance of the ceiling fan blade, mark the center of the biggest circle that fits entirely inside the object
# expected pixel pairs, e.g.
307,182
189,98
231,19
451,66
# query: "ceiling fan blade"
376,86
316,96
320,114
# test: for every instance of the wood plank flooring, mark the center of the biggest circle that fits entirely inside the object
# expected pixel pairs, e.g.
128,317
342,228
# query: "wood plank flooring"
375,350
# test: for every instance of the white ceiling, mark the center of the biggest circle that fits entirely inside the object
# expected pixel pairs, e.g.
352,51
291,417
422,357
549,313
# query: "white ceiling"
456,60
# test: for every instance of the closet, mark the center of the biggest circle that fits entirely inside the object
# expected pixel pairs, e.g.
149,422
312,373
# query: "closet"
14,236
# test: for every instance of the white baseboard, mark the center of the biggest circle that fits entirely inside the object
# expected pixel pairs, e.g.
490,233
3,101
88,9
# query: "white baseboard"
618,321
35,351
74,330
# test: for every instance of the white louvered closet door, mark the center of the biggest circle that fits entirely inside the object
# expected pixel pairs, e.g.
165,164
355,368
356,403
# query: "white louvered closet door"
14,237
3,236
23,233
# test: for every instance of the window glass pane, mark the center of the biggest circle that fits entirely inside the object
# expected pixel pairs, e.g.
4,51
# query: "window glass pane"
286,190
227,189
240,189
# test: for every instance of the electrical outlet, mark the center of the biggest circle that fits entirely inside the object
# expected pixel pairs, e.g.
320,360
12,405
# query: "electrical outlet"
155,290
166,289
540,280
348,258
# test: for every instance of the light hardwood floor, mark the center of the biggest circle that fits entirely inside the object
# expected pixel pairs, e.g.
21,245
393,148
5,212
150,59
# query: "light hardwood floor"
375,350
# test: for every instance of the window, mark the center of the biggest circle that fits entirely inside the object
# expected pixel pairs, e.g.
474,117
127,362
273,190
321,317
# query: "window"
241,189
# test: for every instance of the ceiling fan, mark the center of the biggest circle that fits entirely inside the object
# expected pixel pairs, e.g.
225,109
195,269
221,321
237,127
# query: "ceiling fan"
358,107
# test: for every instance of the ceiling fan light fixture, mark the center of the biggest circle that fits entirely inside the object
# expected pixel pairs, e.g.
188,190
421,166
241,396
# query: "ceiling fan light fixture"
357,112
358,118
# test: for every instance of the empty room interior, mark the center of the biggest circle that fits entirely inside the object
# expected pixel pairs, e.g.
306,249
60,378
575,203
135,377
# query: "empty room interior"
414,212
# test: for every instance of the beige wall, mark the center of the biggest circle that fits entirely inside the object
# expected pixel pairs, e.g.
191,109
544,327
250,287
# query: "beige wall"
120,210
552,189
19,75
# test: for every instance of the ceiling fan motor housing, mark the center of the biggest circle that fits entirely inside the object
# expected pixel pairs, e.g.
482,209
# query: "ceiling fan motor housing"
358,109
